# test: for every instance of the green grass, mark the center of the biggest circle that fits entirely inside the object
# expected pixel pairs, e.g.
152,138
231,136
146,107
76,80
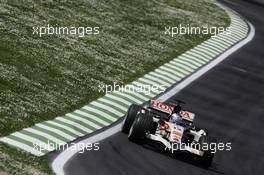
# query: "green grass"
42,78
15,161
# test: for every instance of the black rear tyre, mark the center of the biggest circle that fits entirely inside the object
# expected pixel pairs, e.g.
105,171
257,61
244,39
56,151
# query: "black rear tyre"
130,117
141,126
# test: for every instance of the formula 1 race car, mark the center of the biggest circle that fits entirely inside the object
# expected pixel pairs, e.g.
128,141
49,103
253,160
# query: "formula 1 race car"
151,125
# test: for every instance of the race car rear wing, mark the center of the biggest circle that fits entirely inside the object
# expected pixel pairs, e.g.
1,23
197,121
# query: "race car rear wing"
155,104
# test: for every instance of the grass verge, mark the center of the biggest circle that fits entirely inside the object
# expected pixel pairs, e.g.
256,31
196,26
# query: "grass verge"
14,161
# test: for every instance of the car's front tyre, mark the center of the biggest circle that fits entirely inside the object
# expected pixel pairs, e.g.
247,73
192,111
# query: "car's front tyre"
141,126
130,117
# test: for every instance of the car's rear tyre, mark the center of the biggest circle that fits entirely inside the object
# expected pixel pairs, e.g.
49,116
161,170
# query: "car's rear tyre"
141,126
130,117
208,156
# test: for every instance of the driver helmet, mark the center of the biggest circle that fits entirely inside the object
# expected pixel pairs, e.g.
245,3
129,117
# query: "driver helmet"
175,118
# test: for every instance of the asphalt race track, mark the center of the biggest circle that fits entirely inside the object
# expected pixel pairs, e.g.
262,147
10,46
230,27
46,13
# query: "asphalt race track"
228,101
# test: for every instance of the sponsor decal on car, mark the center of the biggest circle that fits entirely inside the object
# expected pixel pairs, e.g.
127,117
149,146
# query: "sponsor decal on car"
161,107
187,115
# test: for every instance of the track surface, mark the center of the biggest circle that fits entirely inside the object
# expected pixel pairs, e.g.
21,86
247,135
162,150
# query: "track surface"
228,100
